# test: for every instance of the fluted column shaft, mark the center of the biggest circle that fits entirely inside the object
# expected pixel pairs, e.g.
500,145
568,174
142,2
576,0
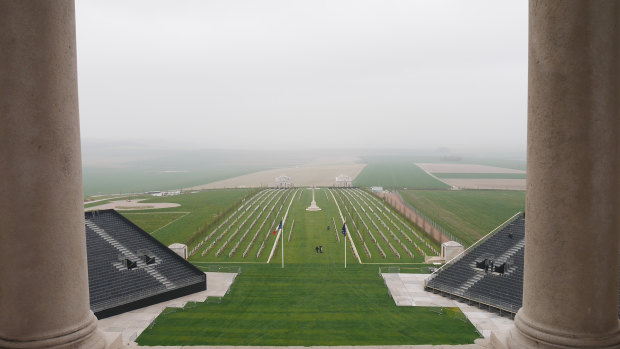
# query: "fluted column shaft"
570,296
44,299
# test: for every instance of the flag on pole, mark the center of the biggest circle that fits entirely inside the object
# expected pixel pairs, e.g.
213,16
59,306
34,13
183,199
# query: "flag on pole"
278,228
344,232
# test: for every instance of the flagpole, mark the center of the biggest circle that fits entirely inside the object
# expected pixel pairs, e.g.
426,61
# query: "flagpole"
345,251
282,233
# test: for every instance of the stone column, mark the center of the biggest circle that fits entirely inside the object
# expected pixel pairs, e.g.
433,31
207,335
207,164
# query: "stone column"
44,300
570,296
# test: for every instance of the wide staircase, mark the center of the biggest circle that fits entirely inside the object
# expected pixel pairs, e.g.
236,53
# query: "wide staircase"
490,273
128,269
469,278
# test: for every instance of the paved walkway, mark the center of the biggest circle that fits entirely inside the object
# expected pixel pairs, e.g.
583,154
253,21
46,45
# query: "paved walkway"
132,323
408,290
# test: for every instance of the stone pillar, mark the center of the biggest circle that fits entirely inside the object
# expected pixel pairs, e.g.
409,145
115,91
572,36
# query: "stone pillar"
570,296
44,300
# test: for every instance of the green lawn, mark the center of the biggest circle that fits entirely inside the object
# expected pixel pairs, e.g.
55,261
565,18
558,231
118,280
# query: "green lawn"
152,222
136,180
313,300
396,174
204,207
241,237
361,209
309,304
468,214
246,230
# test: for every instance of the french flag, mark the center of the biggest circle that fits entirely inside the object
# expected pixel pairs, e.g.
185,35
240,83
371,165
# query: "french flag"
278,228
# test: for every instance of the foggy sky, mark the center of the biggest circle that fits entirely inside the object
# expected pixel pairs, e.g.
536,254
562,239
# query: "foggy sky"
304,74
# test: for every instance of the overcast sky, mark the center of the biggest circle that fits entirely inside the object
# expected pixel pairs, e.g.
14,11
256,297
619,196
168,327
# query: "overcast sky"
304,74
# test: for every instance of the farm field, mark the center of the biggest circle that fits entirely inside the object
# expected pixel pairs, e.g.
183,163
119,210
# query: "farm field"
436,168
515,163
134,180
487,183
396,174
313,300
468,214
481,175
477,176
307,175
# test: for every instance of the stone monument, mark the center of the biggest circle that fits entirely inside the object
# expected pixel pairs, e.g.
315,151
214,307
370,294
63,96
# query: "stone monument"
313,206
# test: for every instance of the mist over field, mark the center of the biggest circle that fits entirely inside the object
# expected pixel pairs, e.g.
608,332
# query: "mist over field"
130,167
183,93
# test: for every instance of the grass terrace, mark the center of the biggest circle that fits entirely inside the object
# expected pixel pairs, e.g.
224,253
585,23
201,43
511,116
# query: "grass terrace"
309,304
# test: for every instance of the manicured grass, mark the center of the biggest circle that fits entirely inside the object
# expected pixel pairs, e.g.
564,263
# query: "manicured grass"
150,222
309,304
252,226
313,300
247,228
396,174
482,175
204,208
361,210
468,214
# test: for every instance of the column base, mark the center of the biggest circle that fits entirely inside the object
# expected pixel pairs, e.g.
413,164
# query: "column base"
526,335
86,336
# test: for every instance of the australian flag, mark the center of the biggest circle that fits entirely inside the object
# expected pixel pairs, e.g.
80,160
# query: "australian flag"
278,228
344,229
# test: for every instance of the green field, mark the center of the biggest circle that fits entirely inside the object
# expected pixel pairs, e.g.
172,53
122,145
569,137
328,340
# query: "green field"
136,180
124,168
482,175
153,222
106,199
381,234
309,304
313,300
396,174
468,214
516,163
247,235
195,212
